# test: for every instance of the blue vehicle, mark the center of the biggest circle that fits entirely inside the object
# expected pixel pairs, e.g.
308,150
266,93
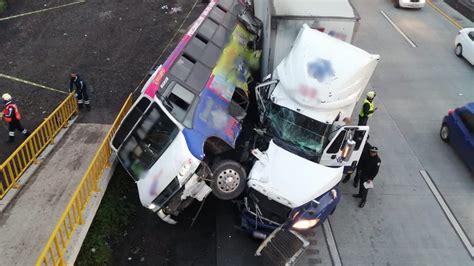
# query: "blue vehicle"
261,216
458,130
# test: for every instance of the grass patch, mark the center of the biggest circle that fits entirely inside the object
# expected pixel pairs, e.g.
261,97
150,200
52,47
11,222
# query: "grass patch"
3,5
110,221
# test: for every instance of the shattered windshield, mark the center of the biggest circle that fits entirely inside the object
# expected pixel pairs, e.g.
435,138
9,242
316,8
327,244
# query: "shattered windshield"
150,138
297,130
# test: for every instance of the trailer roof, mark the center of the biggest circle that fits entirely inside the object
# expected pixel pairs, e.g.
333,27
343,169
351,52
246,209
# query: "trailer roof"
311,8
322,76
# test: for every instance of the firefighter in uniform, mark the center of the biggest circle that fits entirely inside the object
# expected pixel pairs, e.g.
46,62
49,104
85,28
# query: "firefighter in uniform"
81,91
368,171
12,116
368,108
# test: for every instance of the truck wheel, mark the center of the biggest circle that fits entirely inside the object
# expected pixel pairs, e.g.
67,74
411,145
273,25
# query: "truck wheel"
444,133
397,4
228,179
458,50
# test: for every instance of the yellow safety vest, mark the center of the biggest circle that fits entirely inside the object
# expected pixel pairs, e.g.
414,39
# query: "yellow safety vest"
371,108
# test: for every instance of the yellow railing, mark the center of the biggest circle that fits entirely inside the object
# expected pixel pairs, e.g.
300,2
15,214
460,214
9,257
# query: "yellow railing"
28,152
58,242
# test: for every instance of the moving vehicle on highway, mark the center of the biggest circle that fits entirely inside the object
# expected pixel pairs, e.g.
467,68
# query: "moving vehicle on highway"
464,44
409,3
173,141
457,129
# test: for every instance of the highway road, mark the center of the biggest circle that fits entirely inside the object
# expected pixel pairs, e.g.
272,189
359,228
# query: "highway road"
417,80
421,211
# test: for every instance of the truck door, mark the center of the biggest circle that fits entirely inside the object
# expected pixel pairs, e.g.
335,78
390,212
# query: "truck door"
346,147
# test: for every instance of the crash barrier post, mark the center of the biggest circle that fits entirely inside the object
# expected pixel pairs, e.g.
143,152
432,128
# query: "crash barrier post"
53,251
27,153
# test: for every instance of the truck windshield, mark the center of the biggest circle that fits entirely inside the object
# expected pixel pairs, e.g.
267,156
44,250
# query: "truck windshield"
147,142
298,131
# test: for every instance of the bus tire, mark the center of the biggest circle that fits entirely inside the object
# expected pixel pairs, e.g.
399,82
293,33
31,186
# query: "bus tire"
228,179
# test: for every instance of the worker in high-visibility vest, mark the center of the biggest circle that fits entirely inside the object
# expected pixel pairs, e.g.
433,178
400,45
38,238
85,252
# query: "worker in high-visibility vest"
368,108
12,116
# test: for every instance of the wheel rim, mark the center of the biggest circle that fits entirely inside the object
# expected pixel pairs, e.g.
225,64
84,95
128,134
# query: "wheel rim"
458,50
228,181
444,132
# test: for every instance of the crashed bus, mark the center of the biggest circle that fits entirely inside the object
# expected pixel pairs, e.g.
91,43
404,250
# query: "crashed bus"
173,141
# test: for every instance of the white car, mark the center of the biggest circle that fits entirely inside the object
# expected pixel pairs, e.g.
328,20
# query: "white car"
464,44
409,3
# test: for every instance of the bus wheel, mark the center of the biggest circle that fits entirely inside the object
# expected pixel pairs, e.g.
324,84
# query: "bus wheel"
228,179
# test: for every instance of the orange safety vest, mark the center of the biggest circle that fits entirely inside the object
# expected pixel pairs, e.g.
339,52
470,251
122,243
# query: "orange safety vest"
6,112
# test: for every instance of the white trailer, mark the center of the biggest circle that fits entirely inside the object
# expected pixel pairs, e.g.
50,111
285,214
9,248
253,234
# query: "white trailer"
282,20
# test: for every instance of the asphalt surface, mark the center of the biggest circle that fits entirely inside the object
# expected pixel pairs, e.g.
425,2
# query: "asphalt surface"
402,222
212,239
111,44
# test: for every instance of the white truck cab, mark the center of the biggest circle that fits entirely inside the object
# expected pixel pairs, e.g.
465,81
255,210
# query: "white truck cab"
312,90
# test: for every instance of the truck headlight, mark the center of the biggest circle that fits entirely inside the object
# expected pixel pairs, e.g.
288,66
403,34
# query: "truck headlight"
151,206
334,193
305,224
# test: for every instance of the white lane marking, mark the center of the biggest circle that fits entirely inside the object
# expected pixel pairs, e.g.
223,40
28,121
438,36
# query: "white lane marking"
452,219
399,30
31,83
336,258
41,10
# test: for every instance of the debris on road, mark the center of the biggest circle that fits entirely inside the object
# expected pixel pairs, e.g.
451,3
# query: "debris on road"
176,10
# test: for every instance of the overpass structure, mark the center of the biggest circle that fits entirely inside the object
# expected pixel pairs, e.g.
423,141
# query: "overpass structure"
47,202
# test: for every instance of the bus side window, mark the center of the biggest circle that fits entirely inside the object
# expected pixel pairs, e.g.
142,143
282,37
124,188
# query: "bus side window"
180,99
239,104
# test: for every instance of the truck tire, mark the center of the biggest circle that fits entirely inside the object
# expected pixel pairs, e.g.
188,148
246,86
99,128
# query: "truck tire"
228,179
397,4
444,132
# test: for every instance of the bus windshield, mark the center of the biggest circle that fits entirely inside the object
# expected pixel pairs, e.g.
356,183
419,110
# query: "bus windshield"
297,132
147,142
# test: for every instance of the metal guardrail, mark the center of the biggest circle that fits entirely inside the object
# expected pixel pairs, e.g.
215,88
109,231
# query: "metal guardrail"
53,252
27,153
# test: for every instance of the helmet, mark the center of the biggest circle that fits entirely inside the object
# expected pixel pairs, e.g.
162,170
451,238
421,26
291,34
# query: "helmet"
7,97
371,94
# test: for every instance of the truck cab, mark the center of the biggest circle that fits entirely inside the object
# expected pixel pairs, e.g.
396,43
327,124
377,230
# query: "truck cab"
293,183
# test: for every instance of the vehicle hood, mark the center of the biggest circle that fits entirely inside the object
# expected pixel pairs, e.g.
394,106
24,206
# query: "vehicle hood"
322,76
166,169
290,179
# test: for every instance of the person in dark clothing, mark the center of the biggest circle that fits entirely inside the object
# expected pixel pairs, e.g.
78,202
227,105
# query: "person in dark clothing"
368,108
369,171
11,115
363,157
81,91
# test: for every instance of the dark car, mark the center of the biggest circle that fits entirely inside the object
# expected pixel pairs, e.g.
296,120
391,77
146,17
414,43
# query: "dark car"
458,130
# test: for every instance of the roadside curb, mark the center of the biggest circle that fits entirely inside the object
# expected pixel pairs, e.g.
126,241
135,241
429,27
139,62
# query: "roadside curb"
10,196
